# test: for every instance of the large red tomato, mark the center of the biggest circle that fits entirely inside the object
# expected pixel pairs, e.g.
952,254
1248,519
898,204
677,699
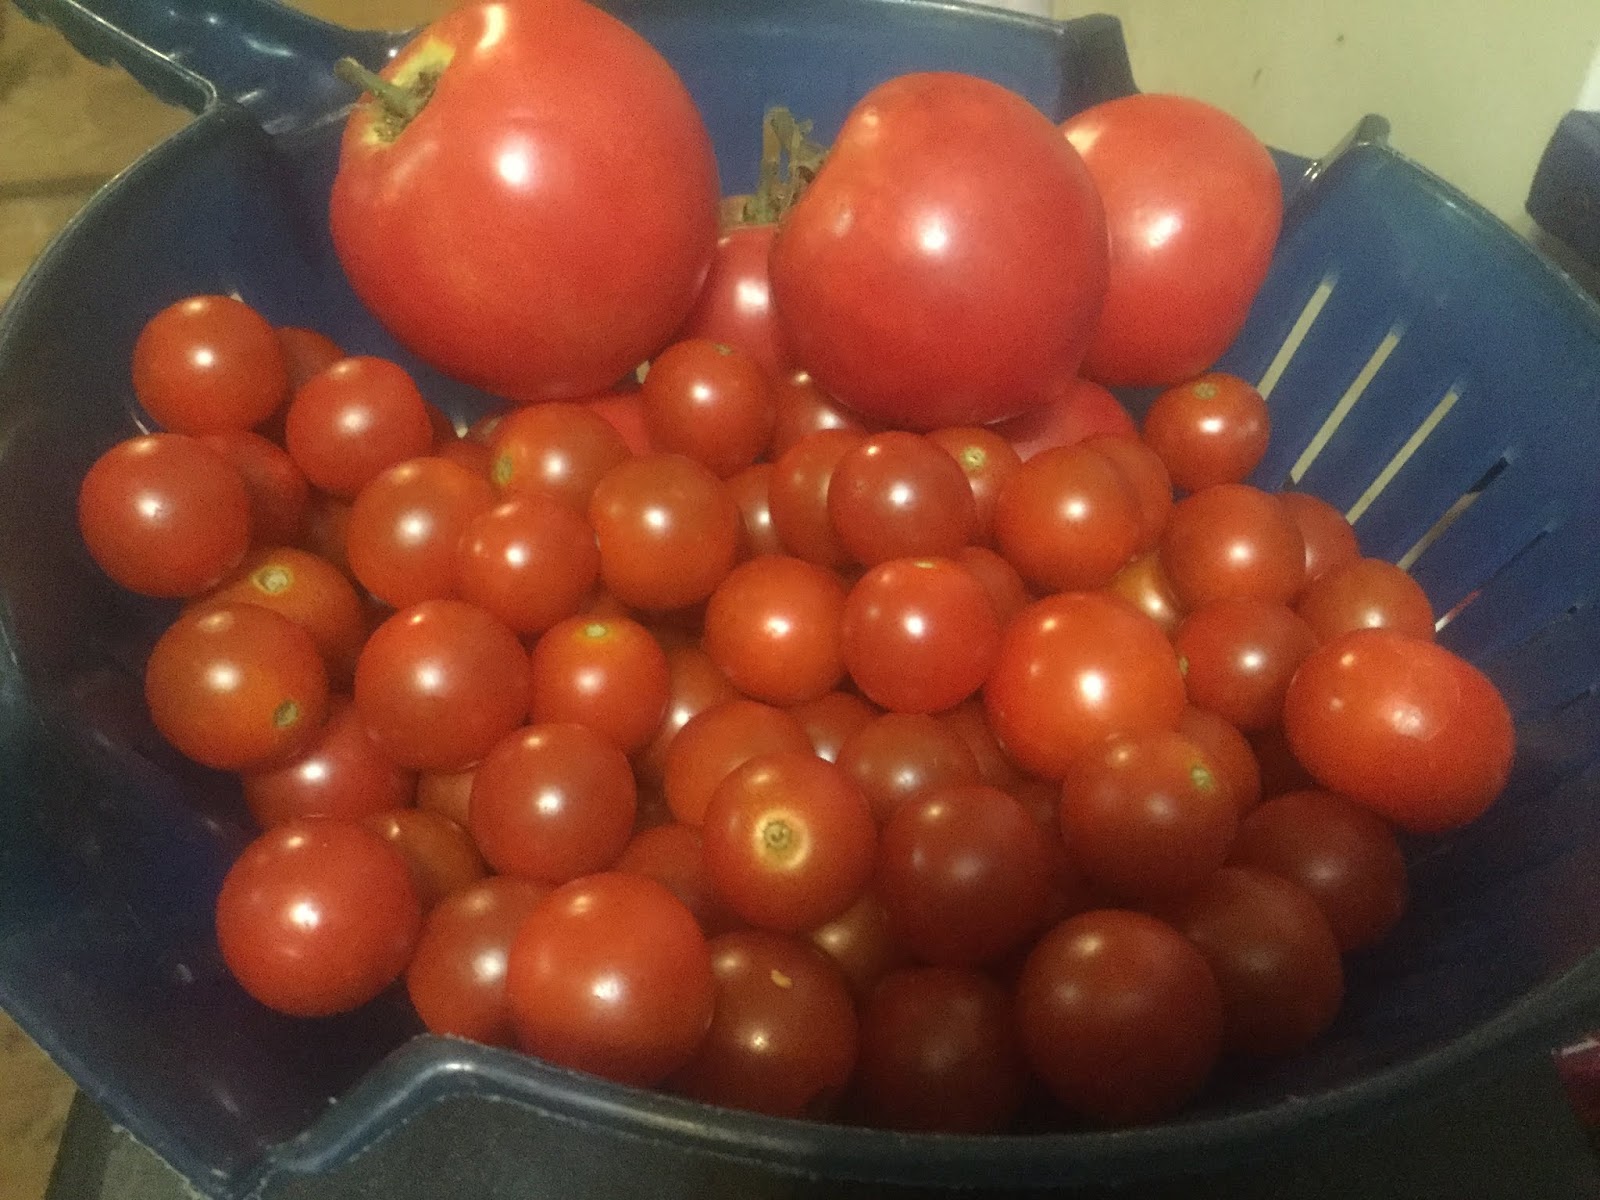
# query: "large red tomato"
1192,204
946,265
533,228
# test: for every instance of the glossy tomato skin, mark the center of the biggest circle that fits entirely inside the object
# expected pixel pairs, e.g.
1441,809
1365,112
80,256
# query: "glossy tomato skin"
208,364
278,489
306,352
1192,206
438,853
1239,656
986,459
530,561
1330,541
751,490
1230,753
773,627
898,495
1144,584
310,591
716,742
671,855
862,943
1074,668
1209,430
533,230
341,774
1068,519
804,408
735,305
1075,410
831,719
607,673
1401,725
1366,594
1233,541
317,917
709,401
897,756
406,524
353,420
946,265
694,684
1147,475
560,449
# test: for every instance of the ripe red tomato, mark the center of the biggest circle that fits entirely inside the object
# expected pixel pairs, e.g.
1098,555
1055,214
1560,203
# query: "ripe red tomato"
278,489
986,459
1144,584
1119,1015
788,841
237,687
163,515
831,719
405,526
610,974
310,591
1007,591
964,872
947,264
773,627
1074,668
939,1052
862,944
439,854
317,917
1330,541
735,305
1239,656
560,449
457,976
1209,430
694,684
1230,753
440,683
306,352
1401,725
1192,206
354,420
671,855
716,742
751,492
608,674
711,402
797,495
919,635
804,408
967,720
1233,541
1367,593
1147,475
208,364
530,561
1068,519
898,495
783,1038
624,412
533,229
896,757
341,774
1075,410
552,802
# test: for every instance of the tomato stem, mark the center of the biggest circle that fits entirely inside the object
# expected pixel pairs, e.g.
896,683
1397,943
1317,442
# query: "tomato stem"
790,160
401,104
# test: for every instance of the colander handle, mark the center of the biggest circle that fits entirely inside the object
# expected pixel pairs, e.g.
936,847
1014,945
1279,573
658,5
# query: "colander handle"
269,58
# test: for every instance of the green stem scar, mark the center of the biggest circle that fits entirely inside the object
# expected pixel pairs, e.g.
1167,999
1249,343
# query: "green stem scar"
286,714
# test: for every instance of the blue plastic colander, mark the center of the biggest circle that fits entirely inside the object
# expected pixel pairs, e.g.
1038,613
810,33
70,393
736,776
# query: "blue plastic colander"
1426,371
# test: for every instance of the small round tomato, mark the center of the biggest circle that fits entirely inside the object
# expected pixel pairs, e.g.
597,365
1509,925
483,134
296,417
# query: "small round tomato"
1401,725
341,774
1233,542
668,531
1229,752
552,802
209,363
898,756
1075,410
773,626
1144,584
1007,591
1069,518
406,524
1239,656
797,495
610,974
440,683
624,412
561,450
964,872
354,420
862,944
606,673
1366,594
1145,817
804,408
440,854
789,841
899,495
987,460
1119,1015
710,402
163,515
1342,854
939,1053
1074,668
306,352
457,976
278,489
310,591
735,303
671,855
317,917
237,687
530,561
1209,430
1330,541
716,742
1147,475
831,719
968,721
751,491
783,1038
694,684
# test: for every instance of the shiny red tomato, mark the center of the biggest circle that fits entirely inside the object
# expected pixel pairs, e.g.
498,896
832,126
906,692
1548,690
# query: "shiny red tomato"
624,412
1007,591
1075,410
236,687
1233,541
278,489
986,459
711,402
671,855
559,449
1147,475
716,742
1366,594
862,944
527,226
340,774
1192,206
969,721
735,304
773,626
1330,541
804,408
831,719
1209,430
900,495
163,515
1230,754
1144,584
797,495
694,684
439,854
607,673
354,420
530,561
306,352
610,974
1120,1016
1074,668
317,917
405,527
1239,656
208,364
947,264
751,492
310,591
895,757
1068,519
1401,725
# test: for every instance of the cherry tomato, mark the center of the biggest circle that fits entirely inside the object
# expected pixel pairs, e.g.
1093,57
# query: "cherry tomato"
608,674
862,944
532,230
969,722
342,773
1068,519
986,459
939,1052
710,402
563,450
783,1038
735,304
1145,817
1209,430
967,277
457,977
610,974
405,526
439,853
1120,1016
530,561
773,626
1147,475
1239,656
1273,955
448,793
750,490
237,687
1366,594
899,495
1074,668
354,420
306,352
1233,542
1344,856
668,530
1193,205
277,488
804,408
1075,410
716,742
624,412
317,917
671,855
163,515
694,684
440,683
1144,584
1330,541
964,872
1403,726
898,756
1007,592
209,363
469,455
552,802
1231,756
797,495
831,719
